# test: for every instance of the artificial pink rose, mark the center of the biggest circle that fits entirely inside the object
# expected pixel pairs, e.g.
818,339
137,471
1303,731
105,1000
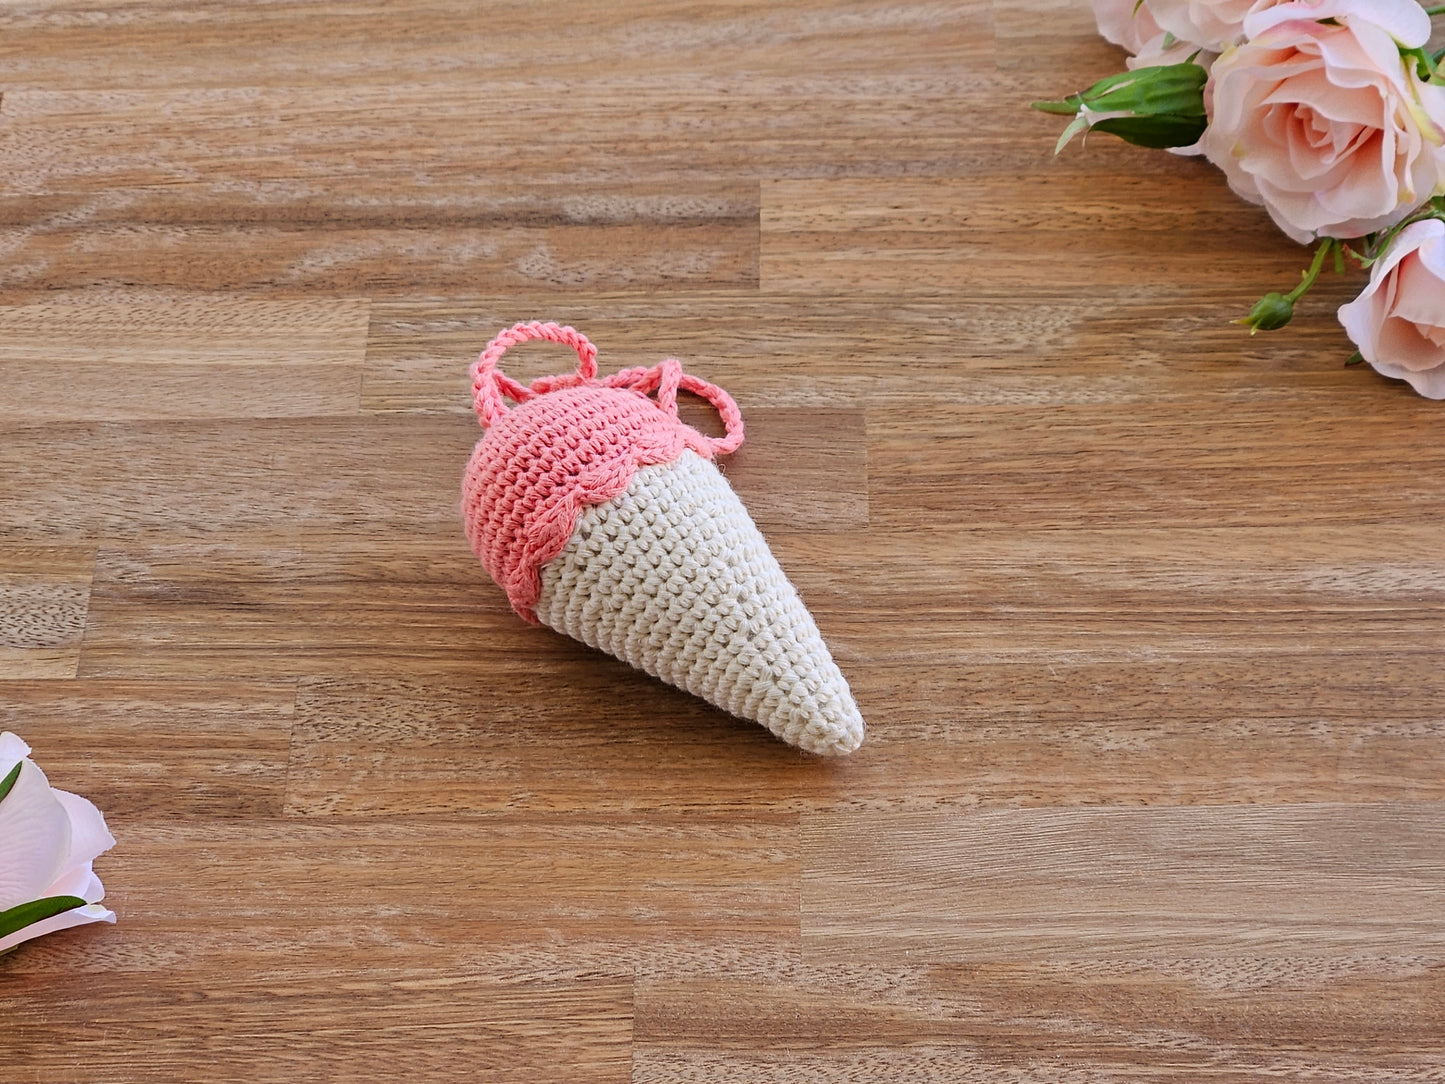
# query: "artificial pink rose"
1131,24
1126,22
1398,321
1324,123
1210,24
1404,20
1164,49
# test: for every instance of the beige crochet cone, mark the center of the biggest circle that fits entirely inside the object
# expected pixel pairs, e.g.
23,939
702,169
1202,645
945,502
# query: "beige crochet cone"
674,578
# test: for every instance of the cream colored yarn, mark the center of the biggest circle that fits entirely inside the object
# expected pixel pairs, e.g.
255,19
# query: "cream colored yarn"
674,578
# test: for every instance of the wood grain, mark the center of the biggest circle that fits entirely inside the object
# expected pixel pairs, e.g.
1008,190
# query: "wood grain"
392,1024
1235,1019
926,233
212,358
1145,613
173,748
44,600
1157,465
1104,883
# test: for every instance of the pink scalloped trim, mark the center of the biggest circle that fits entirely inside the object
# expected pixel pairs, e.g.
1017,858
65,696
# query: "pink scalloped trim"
570,442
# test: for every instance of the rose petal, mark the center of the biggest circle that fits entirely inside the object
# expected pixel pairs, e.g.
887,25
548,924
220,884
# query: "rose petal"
1210,23
1430,383
1125,23
81,882
1403,347
63,921
89,837
1419,294
34,838
12,752
1404,20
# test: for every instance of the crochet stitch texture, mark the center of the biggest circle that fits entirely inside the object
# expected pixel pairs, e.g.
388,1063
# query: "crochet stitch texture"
602,515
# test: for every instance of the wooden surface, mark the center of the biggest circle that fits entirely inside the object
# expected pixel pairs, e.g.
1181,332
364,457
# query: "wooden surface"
1146,615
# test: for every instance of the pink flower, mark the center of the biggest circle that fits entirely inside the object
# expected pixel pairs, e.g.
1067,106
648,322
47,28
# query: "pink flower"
1211,24
1132,25
48,840
1127,23
1173,29
1165,50
1398,321
1324,123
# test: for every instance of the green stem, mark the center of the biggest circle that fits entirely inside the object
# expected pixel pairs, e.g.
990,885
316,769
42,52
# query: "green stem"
1432,12
1427,65
1377,243
1314,272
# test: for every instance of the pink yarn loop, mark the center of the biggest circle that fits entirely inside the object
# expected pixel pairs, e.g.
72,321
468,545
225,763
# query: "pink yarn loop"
491,388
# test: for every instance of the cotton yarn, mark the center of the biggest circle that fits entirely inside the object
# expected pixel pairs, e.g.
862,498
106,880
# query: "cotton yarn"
603,516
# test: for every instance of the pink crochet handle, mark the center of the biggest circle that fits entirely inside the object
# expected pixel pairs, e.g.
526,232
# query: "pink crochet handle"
491,388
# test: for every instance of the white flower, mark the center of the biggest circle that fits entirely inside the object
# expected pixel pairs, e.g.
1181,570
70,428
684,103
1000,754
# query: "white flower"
48,841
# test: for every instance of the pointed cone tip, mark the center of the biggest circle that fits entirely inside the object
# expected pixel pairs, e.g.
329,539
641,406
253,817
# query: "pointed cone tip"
720,618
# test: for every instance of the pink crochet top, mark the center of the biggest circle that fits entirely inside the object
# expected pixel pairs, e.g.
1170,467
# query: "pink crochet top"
571,441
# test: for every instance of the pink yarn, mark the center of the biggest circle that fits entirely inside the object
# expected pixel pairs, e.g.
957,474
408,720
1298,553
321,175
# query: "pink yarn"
571,441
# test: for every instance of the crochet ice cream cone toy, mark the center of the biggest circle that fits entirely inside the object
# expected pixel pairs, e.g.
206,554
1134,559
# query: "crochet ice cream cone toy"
604,516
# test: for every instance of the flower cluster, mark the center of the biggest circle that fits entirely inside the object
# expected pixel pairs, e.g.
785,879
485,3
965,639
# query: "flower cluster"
1330,114
48,842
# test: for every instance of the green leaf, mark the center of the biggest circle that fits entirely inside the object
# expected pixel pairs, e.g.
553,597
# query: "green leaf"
1168,88
1160,106
1163,130
9,780
26,914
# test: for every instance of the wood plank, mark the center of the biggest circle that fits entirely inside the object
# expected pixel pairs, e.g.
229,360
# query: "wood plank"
206,358
329,43
1038,344
358,1025
948,233
220,478
601,138
1071,45
530,900
1234,1019
312,603
44,600
1125,593
1287,881
180,748
573,731
296,606
1158,465
376,475
578,732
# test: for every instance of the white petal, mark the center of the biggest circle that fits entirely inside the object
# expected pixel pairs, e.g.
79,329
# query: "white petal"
89,837
34,838
81,882
78,917
12,752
